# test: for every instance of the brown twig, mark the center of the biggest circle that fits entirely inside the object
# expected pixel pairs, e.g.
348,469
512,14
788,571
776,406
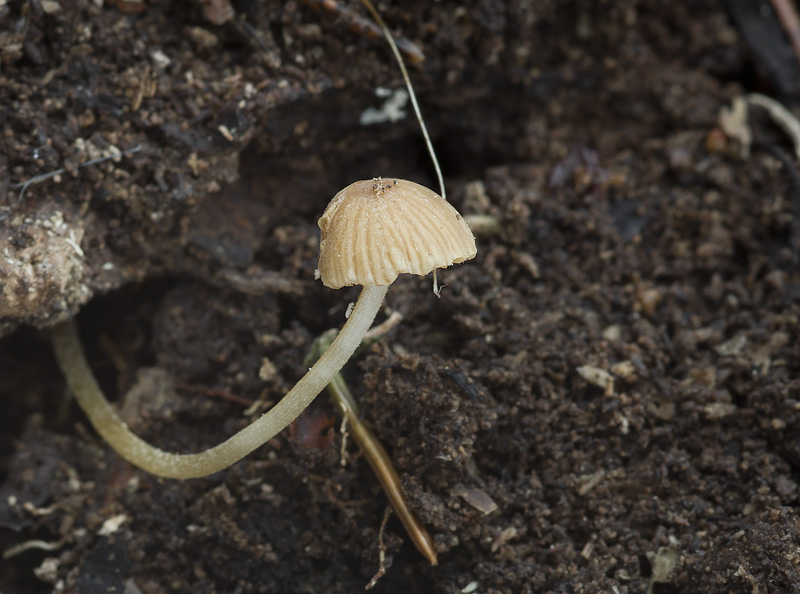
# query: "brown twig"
787,15
36,179
381,552
259,282
383,328
216,393
366,28
382,466
377,457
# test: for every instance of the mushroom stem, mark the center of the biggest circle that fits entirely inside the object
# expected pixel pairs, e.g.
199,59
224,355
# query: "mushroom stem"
138,452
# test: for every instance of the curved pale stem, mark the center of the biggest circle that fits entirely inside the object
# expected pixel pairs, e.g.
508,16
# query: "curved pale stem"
135,450
390,39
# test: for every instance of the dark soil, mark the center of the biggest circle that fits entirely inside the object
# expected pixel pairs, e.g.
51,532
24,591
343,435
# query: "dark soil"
617,370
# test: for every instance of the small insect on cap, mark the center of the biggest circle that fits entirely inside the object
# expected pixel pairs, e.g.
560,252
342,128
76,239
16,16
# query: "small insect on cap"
375,229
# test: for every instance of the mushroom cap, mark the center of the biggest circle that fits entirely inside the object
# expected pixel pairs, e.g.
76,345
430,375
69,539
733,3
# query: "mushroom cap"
375,229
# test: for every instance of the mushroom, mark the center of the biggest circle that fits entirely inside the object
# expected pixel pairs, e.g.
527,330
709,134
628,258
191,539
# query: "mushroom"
372,231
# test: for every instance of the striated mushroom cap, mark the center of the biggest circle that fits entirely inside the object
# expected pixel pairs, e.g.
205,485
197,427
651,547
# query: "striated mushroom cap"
375,229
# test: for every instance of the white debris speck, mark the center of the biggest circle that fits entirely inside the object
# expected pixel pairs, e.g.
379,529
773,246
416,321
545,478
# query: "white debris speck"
50,6
226,132
160,59
114,152
70,241
48,570
597,377
392,109
112,524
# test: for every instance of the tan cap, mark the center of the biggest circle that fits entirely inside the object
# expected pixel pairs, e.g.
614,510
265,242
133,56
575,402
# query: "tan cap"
375,229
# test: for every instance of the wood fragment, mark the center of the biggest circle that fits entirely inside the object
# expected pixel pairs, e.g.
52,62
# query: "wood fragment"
377,457
787,15
477,498
367,28
381,552
784,118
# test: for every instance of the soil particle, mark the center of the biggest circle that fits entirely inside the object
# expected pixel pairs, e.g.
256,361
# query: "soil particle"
762,557
42,267
432,423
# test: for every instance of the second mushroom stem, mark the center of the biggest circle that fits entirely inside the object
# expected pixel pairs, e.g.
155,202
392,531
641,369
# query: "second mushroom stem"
138,452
